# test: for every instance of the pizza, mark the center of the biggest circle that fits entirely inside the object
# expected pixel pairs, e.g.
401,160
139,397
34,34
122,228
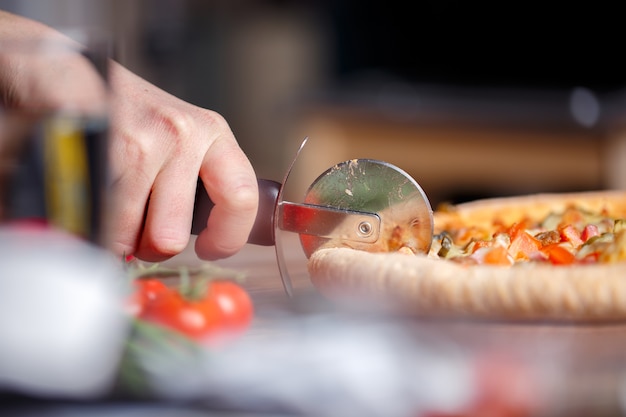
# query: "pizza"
555,257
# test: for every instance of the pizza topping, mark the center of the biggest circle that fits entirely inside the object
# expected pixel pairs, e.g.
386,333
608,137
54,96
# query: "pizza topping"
616,249
406,250
559,254
572,236
591,230
594,246
549,237
497,255
447,248
524,246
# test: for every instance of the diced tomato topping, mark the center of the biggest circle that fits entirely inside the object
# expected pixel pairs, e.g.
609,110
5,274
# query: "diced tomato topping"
559,255
523,246
517,228
589,231
478,244
570,234
498,255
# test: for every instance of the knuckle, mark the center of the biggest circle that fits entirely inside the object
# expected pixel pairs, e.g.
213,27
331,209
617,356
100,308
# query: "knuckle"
180,129
133,147
216,125
175,124
214,120
129,151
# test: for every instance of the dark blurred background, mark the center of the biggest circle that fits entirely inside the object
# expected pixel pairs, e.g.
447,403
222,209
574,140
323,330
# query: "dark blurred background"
472,99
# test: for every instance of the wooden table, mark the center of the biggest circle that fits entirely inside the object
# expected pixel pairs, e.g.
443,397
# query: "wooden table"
588,360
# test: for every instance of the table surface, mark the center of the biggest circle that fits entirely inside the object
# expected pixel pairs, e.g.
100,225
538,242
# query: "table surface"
568,369
591,358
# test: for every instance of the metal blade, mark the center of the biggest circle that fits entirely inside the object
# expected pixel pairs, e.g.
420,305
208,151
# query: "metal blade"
278,243
314,220
376,188
363,204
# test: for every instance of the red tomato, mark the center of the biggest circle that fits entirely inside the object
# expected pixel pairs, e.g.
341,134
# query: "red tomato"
589,231
194,319
233,303
498,255
478,244
146,291
224,309
517,228
524,246
150,288
558,255
570,234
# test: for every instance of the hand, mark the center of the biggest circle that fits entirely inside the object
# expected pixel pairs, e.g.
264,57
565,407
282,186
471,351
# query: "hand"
160,145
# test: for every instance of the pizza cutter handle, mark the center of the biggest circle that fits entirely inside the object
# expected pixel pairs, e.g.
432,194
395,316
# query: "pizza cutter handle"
263,230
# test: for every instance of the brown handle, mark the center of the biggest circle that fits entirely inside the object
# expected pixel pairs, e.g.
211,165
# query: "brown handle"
263,230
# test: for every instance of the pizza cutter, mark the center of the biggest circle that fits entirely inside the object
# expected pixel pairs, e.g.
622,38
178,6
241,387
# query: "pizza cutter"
363,204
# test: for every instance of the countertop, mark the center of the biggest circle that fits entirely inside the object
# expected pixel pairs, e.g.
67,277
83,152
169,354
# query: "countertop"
588,360
304,355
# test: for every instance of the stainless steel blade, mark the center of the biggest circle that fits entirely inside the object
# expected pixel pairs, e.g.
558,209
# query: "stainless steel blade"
377,188
321,221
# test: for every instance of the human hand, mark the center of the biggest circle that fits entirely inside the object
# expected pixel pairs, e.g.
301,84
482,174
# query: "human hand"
160,145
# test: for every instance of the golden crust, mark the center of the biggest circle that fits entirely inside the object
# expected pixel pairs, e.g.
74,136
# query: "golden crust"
425,286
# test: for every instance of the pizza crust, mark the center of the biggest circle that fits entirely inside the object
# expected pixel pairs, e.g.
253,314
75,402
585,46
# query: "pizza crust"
422,285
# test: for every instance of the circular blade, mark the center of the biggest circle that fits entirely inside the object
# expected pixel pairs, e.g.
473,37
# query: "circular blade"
372,186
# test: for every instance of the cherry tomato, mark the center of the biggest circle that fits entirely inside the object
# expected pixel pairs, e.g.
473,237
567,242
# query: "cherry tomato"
194,319
145,291
233,303
222,310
